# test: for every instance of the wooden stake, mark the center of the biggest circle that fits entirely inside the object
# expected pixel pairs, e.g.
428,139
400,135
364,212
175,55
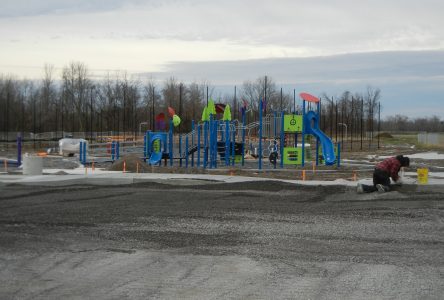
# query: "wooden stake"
6,165
314,167
303,175
137,168
92,166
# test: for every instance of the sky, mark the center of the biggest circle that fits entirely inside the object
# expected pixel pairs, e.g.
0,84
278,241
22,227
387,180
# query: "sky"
313,46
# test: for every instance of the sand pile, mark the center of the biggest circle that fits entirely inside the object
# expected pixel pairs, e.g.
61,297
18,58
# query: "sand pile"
133,163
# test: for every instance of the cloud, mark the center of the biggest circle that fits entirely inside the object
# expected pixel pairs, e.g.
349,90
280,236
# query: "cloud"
302,28
360,67
411,82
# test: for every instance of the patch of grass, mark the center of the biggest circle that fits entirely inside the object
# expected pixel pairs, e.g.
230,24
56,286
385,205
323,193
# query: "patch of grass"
409,139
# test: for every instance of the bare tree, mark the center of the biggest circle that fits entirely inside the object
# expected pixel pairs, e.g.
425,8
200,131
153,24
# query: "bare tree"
76,83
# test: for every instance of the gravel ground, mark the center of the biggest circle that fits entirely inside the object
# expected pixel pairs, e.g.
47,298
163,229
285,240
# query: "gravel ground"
256,240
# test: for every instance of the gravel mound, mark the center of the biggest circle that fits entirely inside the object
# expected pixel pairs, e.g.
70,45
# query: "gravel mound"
133,163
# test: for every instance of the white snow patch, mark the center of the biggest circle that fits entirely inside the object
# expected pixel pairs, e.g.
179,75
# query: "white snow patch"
422,155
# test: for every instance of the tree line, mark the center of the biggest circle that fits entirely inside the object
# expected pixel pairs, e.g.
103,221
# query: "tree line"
74,102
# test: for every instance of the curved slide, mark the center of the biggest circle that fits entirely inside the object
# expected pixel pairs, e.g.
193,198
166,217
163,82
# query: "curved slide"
156,146
312,127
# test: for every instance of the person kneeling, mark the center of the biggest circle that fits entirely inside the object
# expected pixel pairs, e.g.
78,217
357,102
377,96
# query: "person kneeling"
388,168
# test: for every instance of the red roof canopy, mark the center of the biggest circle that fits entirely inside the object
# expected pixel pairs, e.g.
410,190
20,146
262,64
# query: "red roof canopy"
309,98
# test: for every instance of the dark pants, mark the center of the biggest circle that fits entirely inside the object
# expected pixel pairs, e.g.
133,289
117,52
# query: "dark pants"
379,177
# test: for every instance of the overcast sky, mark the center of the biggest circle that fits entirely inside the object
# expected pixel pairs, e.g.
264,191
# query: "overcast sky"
328,46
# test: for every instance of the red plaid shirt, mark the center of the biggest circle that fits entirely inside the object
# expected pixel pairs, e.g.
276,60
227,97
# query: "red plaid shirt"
391,166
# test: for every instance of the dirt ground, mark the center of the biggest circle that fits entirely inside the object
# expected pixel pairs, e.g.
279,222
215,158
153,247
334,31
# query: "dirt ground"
196,240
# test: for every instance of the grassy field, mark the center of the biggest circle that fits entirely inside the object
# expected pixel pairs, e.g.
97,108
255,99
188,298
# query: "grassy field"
409,139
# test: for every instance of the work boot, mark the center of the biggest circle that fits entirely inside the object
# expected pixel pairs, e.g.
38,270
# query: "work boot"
382,188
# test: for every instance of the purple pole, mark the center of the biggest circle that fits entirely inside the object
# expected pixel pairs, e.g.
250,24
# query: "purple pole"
19,151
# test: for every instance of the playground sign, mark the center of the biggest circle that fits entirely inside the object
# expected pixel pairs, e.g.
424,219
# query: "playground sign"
293,123
292,156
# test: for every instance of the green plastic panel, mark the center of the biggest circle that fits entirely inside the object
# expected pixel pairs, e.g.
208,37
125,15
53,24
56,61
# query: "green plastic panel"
292,156
293,123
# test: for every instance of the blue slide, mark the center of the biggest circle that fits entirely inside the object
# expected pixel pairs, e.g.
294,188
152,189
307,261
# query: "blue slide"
312,127
156,156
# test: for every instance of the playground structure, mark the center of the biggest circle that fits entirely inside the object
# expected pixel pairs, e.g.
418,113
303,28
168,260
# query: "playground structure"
15,162
230,140
282,137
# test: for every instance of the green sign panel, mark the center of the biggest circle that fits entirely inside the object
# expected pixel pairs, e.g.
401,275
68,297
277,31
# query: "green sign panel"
293,123
156,145
292,156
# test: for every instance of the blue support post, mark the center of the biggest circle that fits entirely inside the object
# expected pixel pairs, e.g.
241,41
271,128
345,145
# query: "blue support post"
303,133
282,139
211,137
215,127
260,135
233,149
192,142
80,151
84,153
170,145
145,152
180,150
227,143
19,151
243,137
198,145
186,151
317,140
205,158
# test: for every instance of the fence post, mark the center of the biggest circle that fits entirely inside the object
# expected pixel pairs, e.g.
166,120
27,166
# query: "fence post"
84,153
19,151
80,151
339,154
113,150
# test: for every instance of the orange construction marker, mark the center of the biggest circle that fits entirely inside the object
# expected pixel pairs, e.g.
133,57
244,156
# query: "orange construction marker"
303,175
124,166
